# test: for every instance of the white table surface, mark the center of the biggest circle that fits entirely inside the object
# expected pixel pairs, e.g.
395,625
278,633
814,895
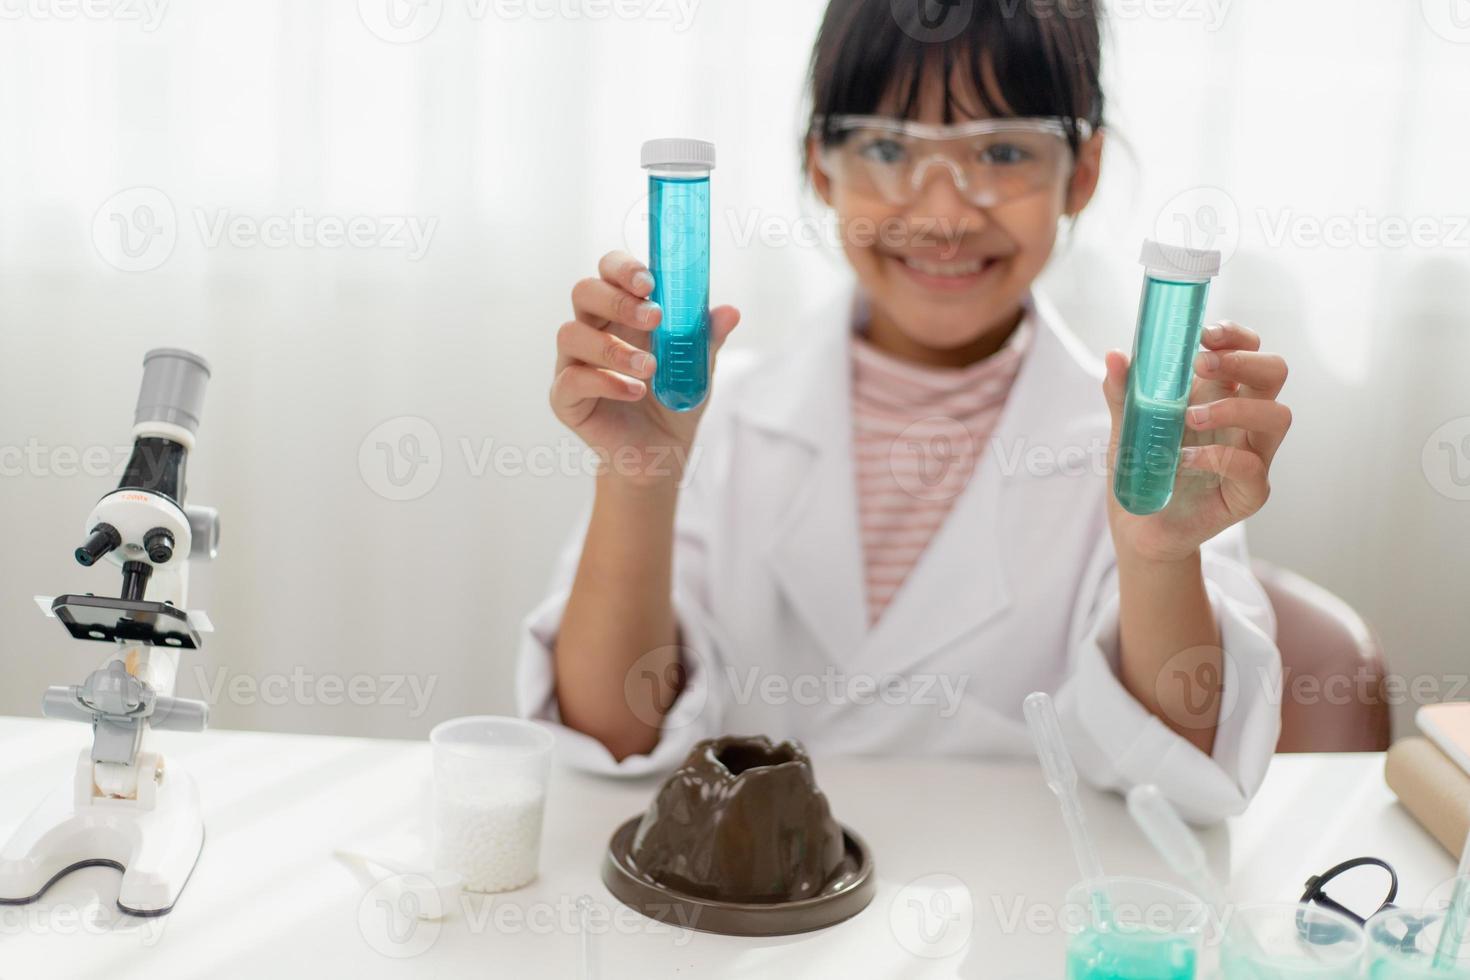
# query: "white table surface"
269,900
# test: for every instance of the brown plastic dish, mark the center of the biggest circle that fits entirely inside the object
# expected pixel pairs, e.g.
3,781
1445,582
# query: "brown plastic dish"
740,841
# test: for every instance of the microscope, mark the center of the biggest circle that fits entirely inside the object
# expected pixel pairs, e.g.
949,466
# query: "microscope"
126,806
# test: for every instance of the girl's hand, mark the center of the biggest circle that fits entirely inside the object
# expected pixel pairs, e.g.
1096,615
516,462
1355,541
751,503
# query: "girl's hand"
603,370
1233,427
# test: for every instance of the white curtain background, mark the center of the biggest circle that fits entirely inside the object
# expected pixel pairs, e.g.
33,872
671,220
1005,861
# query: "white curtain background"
143,145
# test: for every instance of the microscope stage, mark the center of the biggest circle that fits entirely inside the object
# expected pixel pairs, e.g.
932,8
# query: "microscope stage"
108,619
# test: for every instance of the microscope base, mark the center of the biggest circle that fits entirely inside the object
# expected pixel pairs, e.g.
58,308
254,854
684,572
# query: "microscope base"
154,840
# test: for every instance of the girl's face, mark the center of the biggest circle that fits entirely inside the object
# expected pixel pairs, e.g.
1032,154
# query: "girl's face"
941,273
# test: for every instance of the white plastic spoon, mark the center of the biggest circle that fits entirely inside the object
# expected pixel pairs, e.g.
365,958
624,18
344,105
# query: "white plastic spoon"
434,893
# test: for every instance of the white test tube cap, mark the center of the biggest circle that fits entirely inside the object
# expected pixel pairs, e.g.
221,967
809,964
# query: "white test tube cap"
678,154
1180,263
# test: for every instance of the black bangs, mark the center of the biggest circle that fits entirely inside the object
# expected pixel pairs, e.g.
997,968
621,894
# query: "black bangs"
1016,57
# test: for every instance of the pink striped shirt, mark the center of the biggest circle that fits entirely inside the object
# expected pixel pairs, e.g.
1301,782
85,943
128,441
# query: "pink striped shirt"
918,433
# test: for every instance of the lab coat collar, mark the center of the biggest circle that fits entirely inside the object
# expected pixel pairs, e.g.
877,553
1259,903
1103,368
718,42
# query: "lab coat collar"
961,579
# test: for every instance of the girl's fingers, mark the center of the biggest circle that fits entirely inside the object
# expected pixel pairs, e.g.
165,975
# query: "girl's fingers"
722,322
1115,381
627,273
581,383
1264,422
1263,374
1229,335
598,303
578,342
1251,414
1241,468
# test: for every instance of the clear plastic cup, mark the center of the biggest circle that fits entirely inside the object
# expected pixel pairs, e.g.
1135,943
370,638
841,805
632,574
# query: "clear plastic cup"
1155,932
490,777
1279,941
1402,945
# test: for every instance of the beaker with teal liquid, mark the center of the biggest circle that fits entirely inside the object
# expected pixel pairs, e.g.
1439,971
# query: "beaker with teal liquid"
1291,942
1410,944
1154,932
1171,316
678,237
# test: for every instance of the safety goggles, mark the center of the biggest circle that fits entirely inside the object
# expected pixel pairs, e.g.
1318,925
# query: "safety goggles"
991,161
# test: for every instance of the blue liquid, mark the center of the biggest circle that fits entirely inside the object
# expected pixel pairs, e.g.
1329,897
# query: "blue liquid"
1401,954
1421,968
1131,956
678,234
1170,318
1236,965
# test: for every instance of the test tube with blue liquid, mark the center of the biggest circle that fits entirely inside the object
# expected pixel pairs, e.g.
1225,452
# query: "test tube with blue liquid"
1171,317
678,237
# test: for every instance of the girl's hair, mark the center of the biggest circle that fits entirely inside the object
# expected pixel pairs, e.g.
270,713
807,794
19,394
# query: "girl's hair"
1022,58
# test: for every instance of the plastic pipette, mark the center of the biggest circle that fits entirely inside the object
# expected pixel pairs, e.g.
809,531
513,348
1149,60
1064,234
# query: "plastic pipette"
1181,850
588,970
1457,915
1061,777
1175,842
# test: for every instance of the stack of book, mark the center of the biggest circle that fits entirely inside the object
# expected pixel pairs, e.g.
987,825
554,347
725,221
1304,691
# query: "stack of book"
1431,773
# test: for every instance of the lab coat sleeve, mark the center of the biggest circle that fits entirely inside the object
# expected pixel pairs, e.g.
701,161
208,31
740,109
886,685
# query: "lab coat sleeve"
697,711
1119,744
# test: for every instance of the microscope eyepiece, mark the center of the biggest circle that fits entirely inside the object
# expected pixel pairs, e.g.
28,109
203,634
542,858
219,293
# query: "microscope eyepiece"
173,388
104,538
159,544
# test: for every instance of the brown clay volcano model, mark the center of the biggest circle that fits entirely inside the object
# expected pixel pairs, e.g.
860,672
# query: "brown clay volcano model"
740,840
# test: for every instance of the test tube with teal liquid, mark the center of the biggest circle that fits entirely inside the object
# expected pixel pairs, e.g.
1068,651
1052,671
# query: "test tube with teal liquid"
1171,316
678,238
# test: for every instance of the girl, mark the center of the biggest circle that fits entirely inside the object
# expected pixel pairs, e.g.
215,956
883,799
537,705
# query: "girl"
885,536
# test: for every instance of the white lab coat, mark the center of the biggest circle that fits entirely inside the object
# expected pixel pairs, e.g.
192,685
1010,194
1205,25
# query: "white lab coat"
1017,591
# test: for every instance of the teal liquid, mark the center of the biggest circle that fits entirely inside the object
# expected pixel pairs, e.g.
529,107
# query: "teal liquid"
1416,968
1170,319
678,232
1398,954
1235,965
1131,956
